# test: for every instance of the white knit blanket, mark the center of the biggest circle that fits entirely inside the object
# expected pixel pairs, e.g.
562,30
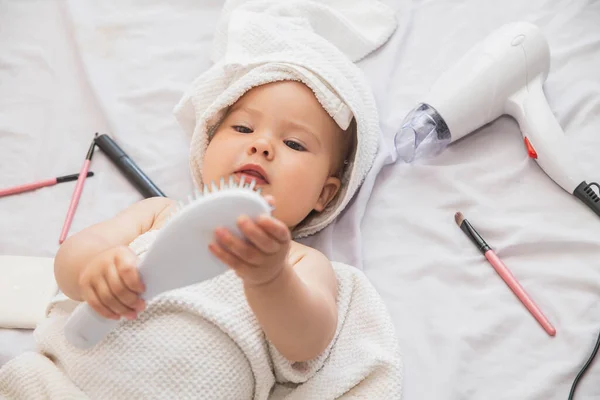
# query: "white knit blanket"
203,341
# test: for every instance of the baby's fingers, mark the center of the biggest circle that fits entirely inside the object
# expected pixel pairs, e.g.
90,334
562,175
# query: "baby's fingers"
225,256
257,236
92,299
275,228
126,263
121,290
110,301
242,249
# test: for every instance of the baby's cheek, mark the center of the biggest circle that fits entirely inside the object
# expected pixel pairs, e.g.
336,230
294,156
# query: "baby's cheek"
297,199
212,162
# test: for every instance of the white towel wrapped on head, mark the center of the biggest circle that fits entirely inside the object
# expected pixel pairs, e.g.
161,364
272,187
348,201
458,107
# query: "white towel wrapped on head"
315,42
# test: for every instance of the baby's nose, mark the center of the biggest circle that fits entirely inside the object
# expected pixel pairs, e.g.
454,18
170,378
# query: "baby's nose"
262,146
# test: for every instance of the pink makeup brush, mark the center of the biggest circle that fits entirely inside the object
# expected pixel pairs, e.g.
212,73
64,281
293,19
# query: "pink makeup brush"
77,192
40,184
504,272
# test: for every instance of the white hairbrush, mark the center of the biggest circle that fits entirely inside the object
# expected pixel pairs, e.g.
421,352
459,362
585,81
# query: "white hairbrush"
179,256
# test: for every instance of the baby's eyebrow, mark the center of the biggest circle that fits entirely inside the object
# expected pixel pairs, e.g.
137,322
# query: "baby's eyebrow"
249,110
301,127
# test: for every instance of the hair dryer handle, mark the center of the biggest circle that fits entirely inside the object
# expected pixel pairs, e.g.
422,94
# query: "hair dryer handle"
85,327
544,137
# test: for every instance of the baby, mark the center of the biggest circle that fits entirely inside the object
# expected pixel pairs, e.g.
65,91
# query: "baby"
279,135
285,107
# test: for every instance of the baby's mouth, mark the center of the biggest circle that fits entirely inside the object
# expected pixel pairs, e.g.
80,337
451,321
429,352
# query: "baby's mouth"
251,175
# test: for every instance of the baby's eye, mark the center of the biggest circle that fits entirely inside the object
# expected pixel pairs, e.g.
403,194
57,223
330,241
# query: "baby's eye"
242,129
294,145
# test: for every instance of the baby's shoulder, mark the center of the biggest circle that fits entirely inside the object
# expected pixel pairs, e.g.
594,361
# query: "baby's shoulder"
299,251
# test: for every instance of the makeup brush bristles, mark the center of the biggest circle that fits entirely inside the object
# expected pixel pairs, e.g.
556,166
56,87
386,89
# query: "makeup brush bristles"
459,218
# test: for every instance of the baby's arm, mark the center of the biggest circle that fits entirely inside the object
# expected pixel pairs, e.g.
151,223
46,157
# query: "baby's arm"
291,288
298,310
77,251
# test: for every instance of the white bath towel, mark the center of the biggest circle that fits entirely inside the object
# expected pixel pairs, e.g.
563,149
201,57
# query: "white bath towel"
315,42
203,341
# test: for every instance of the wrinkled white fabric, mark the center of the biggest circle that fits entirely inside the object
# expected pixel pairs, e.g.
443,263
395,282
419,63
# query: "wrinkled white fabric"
118,68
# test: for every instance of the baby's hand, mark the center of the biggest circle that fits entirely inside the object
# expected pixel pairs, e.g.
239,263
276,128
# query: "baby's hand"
111,284
260,257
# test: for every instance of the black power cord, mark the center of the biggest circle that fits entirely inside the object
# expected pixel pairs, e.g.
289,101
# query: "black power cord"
586,193
585,367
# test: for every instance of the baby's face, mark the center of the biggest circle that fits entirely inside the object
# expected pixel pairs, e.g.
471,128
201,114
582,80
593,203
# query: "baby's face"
279,135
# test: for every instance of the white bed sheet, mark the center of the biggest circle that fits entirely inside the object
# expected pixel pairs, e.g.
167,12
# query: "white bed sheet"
464,334
69,69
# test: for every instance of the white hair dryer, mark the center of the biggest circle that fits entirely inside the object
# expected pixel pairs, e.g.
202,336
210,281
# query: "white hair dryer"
503,74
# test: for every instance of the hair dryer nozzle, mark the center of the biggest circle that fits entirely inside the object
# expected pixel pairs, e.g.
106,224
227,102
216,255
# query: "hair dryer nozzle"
424,134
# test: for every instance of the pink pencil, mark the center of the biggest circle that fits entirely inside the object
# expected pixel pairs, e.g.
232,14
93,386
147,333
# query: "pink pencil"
504,273
40,184
77,193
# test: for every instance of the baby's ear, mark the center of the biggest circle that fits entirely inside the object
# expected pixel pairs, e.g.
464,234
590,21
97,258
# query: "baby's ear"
330,189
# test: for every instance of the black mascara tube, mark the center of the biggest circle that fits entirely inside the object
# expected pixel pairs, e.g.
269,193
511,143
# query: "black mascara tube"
132,172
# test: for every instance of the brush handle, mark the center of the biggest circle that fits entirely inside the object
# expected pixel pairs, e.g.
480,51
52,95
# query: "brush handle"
86,327
179,255
74,201
518,290
27,187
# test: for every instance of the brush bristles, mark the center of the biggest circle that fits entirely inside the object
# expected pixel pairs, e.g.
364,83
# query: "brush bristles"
223,185
459,218
212,188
